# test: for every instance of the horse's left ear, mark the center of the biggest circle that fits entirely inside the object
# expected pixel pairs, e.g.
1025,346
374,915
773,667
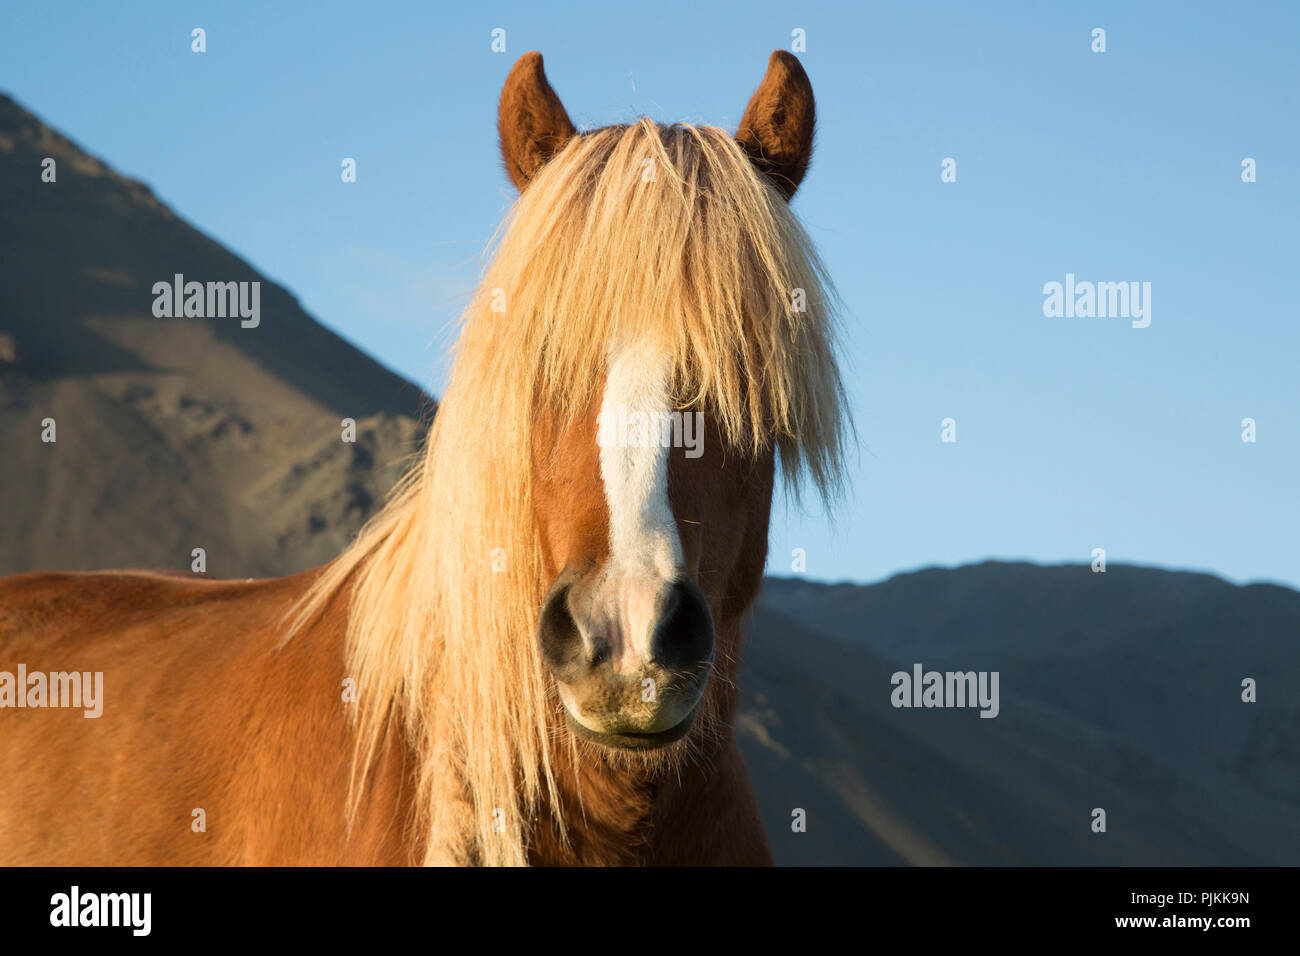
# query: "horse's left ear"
777,130
531,120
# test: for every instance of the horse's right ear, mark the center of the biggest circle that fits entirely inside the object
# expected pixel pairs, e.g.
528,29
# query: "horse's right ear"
777,129
531,120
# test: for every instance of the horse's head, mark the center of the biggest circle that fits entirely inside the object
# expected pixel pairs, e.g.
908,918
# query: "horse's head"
652,517
654,536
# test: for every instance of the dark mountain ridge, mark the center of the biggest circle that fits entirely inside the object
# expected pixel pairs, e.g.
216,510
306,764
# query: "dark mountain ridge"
1120,690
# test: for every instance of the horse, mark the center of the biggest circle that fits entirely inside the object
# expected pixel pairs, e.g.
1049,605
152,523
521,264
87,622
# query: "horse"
529,656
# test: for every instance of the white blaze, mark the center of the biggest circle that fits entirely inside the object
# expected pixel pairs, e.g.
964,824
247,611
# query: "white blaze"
645,551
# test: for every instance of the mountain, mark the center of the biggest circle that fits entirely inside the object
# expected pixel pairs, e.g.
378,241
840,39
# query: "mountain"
1119,691
170,433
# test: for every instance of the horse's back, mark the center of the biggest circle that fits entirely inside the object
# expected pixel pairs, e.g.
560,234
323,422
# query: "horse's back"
147,622
83,608
157,715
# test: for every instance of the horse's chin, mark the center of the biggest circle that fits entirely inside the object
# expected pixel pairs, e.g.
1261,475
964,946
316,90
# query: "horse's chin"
621,740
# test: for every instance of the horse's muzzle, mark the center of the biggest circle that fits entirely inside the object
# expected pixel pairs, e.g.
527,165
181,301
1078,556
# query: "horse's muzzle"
630,654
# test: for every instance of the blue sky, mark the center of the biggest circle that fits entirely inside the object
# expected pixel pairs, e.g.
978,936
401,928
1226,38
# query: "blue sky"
1072,433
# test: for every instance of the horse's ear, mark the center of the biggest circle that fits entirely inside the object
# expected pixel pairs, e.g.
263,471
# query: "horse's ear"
531,120
777,130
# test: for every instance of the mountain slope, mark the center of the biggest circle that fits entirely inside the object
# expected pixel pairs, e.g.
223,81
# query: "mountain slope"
171,433
1119,690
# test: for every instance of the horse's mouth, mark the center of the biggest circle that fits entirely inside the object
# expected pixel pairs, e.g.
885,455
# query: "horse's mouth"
631,741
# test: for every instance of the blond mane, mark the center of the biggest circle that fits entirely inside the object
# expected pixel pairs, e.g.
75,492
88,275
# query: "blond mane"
663,236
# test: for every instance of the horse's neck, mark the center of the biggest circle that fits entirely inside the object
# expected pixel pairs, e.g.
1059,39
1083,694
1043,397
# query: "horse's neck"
620,812
608,814
702,813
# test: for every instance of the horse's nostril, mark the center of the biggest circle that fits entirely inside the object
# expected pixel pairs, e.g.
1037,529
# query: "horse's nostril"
557,634
684,635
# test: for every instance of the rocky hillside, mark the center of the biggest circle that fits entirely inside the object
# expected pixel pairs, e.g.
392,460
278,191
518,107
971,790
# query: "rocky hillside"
170,433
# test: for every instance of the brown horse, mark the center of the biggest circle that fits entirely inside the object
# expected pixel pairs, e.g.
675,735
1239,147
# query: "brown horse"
530,655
